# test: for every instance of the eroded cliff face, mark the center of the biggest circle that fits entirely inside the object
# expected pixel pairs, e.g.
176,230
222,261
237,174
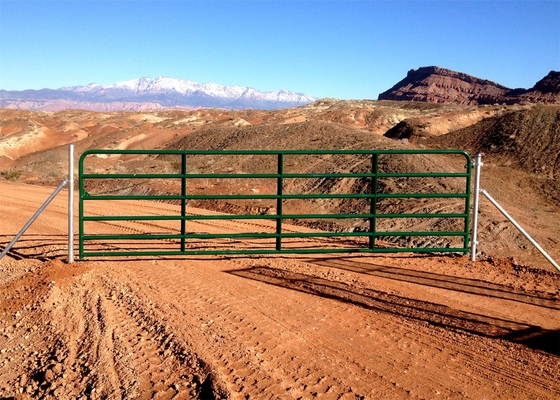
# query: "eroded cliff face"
547,90
440,85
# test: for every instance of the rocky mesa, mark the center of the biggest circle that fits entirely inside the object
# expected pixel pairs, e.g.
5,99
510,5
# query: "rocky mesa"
439,85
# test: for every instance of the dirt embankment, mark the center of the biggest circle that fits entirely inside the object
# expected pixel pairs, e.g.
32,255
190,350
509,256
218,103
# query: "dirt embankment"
528,140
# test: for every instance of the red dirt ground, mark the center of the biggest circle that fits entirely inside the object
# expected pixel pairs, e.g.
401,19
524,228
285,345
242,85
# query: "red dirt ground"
266,327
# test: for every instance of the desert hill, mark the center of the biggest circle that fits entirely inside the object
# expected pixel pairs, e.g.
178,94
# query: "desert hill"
315,135
527,140
518,141
26,135
439,85
426,84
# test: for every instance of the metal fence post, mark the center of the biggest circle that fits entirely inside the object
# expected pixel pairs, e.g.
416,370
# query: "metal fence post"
478,164
70,203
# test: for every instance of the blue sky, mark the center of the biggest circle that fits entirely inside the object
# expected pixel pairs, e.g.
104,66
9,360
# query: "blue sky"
342,49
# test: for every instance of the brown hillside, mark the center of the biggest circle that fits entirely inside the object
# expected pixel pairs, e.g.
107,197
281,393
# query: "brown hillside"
25,144
528,140
547,90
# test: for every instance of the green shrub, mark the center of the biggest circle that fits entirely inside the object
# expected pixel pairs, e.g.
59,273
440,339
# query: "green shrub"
11,174
176,165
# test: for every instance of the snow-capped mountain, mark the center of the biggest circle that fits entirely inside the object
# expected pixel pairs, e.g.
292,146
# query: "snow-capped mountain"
162,92
163,85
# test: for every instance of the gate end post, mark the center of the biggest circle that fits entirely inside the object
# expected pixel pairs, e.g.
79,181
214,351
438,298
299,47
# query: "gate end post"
478,164
70,204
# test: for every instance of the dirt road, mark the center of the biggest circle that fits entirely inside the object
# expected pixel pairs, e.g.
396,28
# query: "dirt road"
266,327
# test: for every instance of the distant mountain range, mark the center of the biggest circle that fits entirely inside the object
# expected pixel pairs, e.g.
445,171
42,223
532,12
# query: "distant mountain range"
440,85
426,84
151,94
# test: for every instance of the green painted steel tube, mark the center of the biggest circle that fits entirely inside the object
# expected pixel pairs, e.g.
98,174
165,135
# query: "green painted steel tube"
373,201
81,193
276,196
279,202
183,200
262,216
469,168
258,235
271,251
276,176
271,152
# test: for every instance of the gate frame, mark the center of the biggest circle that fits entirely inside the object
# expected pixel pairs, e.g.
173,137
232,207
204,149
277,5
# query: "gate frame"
280,175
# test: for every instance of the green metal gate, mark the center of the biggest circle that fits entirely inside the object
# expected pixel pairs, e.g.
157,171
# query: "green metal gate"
367,191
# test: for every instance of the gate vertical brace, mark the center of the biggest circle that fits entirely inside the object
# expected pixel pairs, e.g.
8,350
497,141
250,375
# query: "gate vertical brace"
279,201
466,231
183,200
373,200
478,164
71,204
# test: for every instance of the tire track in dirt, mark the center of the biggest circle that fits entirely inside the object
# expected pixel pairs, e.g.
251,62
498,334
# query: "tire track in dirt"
147,357
138,227
86,355
165,362
222,314
247,357
507,370
105,346
484,369
386,336
300,355
67,370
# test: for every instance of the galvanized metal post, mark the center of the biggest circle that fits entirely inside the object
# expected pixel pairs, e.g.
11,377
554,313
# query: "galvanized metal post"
70,203
478,164
504,212
81,195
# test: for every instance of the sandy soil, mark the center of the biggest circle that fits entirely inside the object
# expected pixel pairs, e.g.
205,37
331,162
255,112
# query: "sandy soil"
266,327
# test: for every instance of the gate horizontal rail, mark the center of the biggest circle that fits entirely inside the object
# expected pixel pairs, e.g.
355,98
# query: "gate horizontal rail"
185,241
